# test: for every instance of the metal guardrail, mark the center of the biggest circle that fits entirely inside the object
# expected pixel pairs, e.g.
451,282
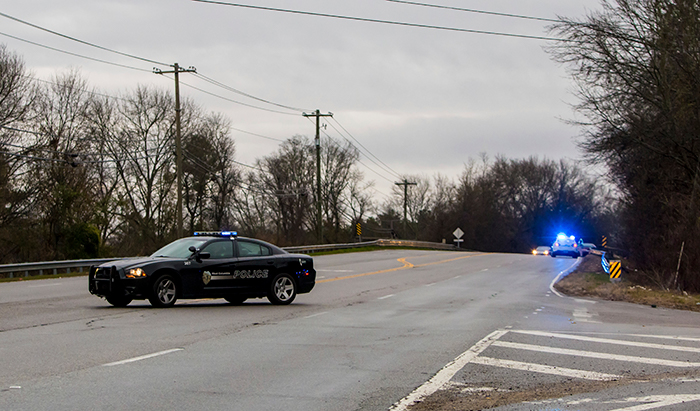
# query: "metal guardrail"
49,267
70,266
380,243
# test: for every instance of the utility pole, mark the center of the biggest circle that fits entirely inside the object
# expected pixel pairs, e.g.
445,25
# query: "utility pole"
319,216
405,185
178,141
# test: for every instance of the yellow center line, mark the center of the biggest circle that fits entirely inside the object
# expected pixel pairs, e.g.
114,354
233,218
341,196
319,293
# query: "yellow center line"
405,263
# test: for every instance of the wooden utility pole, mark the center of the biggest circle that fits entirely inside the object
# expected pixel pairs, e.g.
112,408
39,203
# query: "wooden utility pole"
319,214
178,140
405,185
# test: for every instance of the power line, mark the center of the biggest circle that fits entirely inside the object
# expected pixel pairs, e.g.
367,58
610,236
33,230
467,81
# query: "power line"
369,20
235,101
388,169
358,160
258,135
229,88
94,93
82,41
493,13
74,54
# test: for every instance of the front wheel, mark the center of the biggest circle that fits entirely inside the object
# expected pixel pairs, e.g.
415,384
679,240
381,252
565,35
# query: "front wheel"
164,292
119,301
283,290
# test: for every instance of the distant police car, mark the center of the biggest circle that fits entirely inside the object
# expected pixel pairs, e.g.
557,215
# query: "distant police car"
565,245
208,265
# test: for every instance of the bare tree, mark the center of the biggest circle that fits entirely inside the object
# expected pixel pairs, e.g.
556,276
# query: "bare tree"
287,177
636,66
143,152
17,95
65,198
337,160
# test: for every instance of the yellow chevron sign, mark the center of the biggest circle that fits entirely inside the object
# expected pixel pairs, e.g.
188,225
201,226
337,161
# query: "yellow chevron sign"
615,269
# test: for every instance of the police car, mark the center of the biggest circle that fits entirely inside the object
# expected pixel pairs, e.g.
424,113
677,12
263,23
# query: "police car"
565,245
207,265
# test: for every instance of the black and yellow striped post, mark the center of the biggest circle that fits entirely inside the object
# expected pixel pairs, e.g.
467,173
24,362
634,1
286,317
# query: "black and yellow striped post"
358,226
615,270
604,243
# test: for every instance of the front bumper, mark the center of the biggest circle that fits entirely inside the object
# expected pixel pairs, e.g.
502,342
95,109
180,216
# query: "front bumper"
109,282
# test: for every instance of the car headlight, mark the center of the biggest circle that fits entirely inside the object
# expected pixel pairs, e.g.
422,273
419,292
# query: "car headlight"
136,273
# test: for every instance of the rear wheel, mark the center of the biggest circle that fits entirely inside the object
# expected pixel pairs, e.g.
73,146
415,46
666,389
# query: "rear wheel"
119,301
164,292
283,290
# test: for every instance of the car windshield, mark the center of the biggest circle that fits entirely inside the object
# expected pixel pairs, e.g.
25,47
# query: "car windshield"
179,248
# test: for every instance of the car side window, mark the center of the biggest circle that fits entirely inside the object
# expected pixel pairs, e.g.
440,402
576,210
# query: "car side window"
220,249
249,249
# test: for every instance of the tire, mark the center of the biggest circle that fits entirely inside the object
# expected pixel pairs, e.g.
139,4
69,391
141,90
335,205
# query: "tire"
235,300
164,292
119,301
283,290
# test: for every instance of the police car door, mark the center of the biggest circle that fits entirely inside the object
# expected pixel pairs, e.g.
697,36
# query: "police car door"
217,270
256,265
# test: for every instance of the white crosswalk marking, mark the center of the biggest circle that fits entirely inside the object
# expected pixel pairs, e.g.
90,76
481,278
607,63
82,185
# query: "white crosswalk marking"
608,341
545,369
591,354
481,354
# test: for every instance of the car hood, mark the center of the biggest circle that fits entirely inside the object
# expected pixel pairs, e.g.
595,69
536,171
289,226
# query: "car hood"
138,261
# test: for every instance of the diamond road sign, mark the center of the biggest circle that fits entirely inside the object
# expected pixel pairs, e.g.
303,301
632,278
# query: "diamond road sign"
458,233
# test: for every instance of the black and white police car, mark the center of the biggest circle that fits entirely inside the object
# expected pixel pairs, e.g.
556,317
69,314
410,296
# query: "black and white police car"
207,265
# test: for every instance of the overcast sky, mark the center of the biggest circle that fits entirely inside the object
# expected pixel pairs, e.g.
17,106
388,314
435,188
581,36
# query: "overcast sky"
423,101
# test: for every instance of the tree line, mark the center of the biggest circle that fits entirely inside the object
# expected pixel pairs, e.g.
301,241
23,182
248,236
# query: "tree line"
84,175
636,64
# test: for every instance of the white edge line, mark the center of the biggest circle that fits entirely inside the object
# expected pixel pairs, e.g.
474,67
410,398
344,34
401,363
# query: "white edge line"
143,357
558,277
447,372
386,296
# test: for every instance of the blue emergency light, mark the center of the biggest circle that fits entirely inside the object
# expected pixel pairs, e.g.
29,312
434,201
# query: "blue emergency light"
216,233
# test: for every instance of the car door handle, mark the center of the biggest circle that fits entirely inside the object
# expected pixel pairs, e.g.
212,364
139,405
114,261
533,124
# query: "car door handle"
270,262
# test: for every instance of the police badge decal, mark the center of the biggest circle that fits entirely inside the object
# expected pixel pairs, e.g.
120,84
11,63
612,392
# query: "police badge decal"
206,277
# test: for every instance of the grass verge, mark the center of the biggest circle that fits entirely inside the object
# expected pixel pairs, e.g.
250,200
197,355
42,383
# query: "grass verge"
590,280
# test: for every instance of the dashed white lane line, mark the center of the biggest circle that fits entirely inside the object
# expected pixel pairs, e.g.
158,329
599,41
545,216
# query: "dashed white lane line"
591,354
142,357
447,372
608,341
385,297
544,369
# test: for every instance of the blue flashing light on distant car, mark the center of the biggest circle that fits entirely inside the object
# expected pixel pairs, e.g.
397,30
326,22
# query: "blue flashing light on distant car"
565,245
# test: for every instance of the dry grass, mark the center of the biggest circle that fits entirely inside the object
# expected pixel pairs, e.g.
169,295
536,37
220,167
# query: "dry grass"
589,280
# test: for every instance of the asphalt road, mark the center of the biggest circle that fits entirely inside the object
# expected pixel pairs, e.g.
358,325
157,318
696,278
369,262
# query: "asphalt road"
376,328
